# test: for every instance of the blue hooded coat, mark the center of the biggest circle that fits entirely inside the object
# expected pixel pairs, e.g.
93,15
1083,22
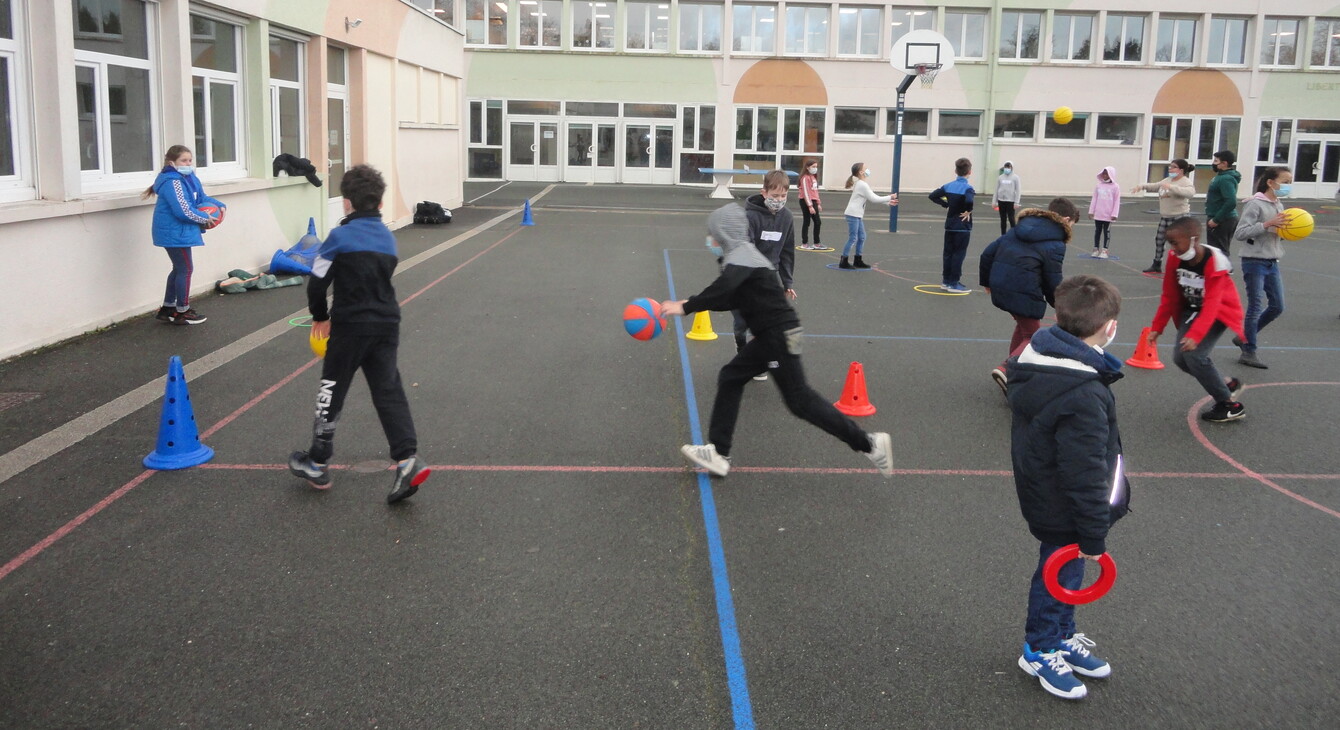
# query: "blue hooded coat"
178,220
1023,267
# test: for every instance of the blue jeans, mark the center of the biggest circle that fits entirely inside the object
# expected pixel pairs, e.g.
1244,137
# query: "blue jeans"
1262,277
1050,621
855,235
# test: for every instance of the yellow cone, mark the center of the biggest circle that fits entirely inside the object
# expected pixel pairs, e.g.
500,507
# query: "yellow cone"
702,328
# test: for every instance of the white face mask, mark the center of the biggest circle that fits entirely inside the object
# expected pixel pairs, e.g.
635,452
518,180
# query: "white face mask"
714,248
774,204
1111,335
186,169
1190,253
1008,170
866,172
814,170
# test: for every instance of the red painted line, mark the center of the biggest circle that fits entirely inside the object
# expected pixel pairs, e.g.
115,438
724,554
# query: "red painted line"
467,262
1193,422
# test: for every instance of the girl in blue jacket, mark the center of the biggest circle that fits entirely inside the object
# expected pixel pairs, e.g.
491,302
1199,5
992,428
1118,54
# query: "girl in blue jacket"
177,226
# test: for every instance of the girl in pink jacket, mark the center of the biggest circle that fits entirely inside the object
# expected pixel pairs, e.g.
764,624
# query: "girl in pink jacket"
1104,207
810,207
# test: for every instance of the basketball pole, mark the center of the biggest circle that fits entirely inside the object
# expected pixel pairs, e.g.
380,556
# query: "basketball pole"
898,147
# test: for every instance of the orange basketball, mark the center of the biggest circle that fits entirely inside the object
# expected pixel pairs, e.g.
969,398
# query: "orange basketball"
215,213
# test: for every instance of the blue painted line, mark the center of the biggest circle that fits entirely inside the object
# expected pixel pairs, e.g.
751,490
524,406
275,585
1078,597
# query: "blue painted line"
736,678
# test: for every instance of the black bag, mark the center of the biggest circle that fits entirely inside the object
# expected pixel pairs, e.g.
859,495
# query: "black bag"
431,213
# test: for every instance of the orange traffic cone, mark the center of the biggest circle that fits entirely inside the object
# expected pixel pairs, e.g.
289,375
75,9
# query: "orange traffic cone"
1146,355
854,401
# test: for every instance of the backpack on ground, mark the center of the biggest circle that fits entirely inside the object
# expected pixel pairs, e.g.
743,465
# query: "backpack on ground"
431,213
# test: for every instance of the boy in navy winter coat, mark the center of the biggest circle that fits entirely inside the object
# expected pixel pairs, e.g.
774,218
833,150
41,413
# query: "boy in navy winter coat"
1066,453
1021,269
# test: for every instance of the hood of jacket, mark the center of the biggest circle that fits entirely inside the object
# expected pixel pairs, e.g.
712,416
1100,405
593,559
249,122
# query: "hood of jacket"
169,174
1055,347
1038,224
1237,176
729,227
1111,174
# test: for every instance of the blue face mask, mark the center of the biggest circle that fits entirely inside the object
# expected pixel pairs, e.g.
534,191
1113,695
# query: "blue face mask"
1284,191
186,169
716,250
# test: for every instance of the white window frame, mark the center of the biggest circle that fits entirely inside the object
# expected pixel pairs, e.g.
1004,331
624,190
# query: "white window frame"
20,185
891,118
230,169
865,22
102,179
965,31
755,33
542,15
904,20
1016,30
696,33
651,22
1179,30
1274,22
940,114
491,11
1224,35
812,42
1097,128
856,135
1331,38
1126,38
602,17
1010,136
1073,41
277,84
1081,119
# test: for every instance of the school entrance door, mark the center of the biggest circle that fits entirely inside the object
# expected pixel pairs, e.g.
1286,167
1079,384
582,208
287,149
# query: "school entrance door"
649,152
592,151
1316,166
532,149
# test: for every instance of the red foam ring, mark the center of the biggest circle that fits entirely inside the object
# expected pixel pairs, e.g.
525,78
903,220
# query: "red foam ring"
1052,568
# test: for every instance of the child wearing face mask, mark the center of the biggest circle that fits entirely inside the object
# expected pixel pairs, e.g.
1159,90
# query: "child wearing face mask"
1175,194
1009,191
1261,251
861,193
772,229
1104,207
810,205
177,226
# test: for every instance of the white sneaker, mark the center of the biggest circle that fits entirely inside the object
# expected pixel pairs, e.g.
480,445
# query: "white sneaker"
707,457
881,453
761,377
1094,255
1102,254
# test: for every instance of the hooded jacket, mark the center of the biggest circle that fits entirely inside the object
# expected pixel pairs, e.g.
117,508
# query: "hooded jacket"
774,235
1023,267
1106,203
1064,443
178,220
1009,189
1259,242
1221,200
1176,200
748,282
1220,302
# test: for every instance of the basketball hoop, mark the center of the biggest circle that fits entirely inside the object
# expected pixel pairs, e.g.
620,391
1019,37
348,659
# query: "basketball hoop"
927,72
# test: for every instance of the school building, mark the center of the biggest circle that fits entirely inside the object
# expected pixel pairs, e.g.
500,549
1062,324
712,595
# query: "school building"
93,92
648,91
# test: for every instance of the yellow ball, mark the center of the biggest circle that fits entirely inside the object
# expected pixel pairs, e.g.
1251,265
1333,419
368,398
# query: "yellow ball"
1063,114
318,344
1298,225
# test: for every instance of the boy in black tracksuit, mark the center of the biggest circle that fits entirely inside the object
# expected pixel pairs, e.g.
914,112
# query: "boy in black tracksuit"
750,285
1066,453
358,258
773,231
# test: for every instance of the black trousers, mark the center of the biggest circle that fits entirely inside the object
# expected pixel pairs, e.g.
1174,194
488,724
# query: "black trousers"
1102,234
1221,236
955,250
805,225
1006,215
376,357
778,353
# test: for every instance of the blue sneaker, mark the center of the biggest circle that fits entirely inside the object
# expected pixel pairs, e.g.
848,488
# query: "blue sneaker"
1053,672
957,288
1082,660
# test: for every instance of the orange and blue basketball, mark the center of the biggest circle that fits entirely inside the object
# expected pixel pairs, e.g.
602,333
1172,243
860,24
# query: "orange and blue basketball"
215,213
642,319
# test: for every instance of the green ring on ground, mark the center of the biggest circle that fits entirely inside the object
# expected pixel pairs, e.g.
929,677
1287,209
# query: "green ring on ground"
301,321
918,287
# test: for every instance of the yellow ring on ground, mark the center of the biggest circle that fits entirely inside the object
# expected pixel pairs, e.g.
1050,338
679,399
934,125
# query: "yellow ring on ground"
919,288
816,250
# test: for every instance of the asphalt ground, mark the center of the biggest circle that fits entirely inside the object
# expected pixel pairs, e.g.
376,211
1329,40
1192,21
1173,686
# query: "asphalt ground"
563,568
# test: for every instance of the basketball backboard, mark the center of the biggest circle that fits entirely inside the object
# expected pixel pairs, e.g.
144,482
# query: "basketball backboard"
920,48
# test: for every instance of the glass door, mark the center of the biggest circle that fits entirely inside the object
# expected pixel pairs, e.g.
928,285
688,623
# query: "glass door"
649,153
1316,167
590,152
337,151
532,150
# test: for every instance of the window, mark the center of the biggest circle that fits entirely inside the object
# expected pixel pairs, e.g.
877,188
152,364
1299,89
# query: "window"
1019,34
1228,41
807,30
1326,42
215,91
1076,130
905,20
592,24
540,23
486,22
286,97
966,31
916,122
858,31
486,138
1279,42
699,27
647,26
1274,142
443,10
15,165
1177,40
1124,38
114,86
698,141
755,28
1192,138
960,124
1015,125
1072,37
855,121
757,133
1123,128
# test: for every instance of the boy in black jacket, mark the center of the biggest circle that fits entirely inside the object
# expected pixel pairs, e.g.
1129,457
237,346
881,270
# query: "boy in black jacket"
773,232
359,257
1066,453
750,285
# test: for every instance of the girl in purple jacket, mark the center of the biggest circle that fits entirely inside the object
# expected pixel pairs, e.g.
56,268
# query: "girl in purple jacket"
1104,208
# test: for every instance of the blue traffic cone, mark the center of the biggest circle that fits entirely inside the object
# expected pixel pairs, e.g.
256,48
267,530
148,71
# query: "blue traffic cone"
526,219
179,444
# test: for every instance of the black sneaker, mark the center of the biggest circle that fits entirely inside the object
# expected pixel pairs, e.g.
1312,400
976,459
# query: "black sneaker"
1234,388
1237,341
407,479
844,264
187,317
1224,412
165,314
1252,361
1153,269
300,465
859,263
